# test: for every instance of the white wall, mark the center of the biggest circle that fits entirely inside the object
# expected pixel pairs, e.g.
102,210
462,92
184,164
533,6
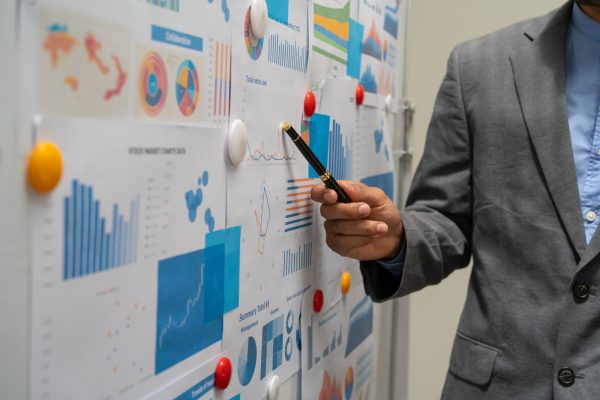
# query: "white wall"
13,223
435,27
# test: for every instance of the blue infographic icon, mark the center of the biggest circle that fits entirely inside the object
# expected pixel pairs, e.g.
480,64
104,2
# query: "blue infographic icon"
289,347
289,321
247,361
361,324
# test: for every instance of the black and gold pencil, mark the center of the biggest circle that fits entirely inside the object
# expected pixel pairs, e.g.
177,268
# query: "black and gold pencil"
314,162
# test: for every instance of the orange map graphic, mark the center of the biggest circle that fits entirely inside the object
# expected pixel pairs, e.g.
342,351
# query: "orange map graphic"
121,79
72,82
93,46
58,42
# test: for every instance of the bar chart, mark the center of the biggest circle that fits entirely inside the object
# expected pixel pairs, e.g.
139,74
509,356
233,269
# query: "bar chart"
222,81
297,260
90,244
287,54
315,356
299,206
329,143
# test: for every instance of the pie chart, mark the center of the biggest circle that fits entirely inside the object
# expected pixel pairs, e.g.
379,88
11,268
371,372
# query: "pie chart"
187,88
253,44
247,361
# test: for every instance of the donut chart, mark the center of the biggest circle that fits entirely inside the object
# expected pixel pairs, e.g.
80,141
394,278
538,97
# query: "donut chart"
153,84
187,89
254,50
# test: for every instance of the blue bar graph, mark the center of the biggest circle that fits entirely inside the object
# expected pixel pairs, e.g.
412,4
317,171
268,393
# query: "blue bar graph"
288,55
340,154
88,245
295,261
330,146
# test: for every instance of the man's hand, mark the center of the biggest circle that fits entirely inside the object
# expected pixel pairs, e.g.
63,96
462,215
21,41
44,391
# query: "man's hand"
370,228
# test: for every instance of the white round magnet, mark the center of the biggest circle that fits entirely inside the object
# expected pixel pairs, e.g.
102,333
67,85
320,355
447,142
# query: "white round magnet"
237,141
273,388
258,18
389,102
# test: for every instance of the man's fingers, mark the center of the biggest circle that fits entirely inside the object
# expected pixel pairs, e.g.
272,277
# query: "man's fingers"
355,228
350,211
359,192
322,194
343,245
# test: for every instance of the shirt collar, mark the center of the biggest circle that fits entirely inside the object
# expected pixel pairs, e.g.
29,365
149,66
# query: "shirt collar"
585,24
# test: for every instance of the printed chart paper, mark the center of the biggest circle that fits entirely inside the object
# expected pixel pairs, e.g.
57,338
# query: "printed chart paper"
131,258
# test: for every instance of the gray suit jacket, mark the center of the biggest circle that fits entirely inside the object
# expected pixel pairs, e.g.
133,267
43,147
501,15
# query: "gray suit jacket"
497,183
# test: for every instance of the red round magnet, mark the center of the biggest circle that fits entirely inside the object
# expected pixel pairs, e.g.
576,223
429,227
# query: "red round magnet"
223,373
310,104
318,300
360,94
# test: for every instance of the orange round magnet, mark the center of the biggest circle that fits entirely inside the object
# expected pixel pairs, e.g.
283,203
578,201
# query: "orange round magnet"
346,281
223,373
45,167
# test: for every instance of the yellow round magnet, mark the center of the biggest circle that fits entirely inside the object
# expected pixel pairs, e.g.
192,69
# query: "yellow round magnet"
45,167
346,281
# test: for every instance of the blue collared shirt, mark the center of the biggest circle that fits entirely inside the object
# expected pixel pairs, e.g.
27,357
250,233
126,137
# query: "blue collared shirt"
583,107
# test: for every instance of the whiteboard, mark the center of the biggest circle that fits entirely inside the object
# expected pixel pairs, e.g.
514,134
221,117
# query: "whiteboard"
39,113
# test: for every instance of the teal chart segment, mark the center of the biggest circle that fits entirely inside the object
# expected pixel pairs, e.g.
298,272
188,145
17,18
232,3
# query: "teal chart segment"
279,10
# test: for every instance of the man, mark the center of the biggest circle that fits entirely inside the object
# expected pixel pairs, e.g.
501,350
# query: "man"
510,177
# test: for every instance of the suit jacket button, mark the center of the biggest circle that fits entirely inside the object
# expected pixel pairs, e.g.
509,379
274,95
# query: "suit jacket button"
581,291
566,377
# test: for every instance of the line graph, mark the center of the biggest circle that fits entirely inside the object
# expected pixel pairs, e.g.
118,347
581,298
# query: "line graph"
274,151
190,305
263,217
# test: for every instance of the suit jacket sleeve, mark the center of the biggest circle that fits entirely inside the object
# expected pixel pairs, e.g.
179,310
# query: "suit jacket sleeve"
438,216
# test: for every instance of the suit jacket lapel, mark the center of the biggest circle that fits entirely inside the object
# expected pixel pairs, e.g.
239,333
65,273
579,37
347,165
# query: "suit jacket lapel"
538,63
